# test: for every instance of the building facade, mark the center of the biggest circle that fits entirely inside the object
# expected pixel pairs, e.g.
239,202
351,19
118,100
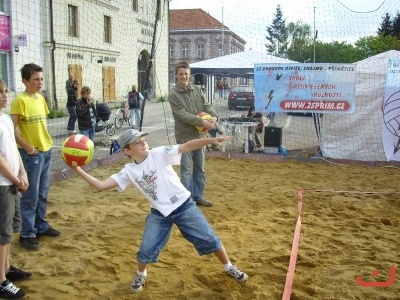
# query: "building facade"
104,44
195,35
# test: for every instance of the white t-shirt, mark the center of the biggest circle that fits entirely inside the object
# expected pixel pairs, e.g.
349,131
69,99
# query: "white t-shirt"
8,147
156,179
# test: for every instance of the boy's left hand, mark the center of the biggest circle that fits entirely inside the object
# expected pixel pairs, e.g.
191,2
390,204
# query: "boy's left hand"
222,139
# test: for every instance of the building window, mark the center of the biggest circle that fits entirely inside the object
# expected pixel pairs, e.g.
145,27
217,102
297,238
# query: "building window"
200,51
72,20
135,5
159,10
220,50
185,51
171,51
2,6
107,29
3,68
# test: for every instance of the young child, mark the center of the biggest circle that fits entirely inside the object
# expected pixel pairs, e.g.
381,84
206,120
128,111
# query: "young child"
29,113
13,179
171,203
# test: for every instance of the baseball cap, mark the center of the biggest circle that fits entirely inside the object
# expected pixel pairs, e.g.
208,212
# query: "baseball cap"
130,136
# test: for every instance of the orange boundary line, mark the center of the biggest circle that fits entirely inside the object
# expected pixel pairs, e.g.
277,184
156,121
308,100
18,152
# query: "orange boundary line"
296,237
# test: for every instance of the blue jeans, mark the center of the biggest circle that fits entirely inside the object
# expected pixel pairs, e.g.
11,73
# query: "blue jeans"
193,175
191,223
34,200
135,117
88,132
72,118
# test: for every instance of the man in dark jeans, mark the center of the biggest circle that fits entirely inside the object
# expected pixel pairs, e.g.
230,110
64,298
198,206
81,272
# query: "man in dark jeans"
71,106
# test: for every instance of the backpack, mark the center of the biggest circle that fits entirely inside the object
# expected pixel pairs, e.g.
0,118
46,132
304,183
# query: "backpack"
115,147
133,100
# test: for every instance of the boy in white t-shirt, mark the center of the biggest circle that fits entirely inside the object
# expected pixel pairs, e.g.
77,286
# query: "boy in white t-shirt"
171,203
13,179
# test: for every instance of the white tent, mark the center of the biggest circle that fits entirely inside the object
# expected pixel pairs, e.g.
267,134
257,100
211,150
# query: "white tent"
240,64
359,136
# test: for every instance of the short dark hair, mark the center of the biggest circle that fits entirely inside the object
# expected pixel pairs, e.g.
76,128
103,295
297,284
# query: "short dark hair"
28,70
182,64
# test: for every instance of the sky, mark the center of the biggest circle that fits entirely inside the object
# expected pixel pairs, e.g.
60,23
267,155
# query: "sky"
345,20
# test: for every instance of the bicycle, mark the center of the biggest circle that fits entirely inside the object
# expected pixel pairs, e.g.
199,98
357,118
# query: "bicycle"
123,114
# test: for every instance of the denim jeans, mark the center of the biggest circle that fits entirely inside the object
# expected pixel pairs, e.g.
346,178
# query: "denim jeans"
88,132
72,118
191,223
193,175
135,117
34,200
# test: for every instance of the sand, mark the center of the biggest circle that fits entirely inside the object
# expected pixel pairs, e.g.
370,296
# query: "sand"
255,212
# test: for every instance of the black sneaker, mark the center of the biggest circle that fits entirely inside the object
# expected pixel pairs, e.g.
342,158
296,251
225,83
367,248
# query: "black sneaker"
30,243
15,274
9,291
49,232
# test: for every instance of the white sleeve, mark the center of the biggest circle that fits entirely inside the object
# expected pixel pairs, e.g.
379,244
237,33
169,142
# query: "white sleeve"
122,180
140,96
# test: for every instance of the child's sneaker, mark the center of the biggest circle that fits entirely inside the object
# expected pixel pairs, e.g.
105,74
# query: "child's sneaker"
138,283
237,274
9,291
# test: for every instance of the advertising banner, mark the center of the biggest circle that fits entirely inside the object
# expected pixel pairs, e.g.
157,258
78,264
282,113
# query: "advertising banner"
391,112
309,88
5,42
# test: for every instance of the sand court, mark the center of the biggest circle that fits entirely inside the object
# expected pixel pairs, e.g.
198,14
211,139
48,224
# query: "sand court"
343,235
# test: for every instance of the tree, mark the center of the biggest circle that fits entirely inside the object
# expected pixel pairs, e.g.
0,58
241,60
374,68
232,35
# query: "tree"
299,41
386,27
396,26
277,35
373,45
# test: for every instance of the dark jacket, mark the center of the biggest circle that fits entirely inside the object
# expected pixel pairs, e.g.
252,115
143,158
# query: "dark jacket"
72,97
83,112
186,105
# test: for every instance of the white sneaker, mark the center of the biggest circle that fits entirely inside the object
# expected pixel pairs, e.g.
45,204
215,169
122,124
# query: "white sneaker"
237,274
138,283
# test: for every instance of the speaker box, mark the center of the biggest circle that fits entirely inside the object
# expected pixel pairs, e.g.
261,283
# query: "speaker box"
200,79
272,136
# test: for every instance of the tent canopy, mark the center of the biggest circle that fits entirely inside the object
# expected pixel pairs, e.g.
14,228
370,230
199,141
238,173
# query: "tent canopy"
240,64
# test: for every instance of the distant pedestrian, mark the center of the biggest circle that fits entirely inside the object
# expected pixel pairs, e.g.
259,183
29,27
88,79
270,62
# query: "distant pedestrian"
149,89
71,106
220,87
69,83
135,99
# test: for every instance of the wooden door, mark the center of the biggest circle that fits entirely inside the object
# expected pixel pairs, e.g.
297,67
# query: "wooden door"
108,83
76,72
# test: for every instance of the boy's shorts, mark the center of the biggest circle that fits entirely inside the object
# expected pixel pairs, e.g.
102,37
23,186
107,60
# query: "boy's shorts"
10,215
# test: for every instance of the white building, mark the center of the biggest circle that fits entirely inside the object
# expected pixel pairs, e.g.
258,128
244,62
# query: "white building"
104,44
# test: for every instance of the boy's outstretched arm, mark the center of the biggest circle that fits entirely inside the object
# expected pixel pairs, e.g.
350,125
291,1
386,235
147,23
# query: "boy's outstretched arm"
94,182
198,143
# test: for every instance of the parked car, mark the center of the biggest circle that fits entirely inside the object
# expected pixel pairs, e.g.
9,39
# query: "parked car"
241,96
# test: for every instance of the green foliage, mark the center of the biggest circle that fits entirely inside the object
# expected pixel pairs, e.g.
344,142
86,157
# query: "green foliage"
372,45
386,27
56,114
162,99
277,37
299,41
296,42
